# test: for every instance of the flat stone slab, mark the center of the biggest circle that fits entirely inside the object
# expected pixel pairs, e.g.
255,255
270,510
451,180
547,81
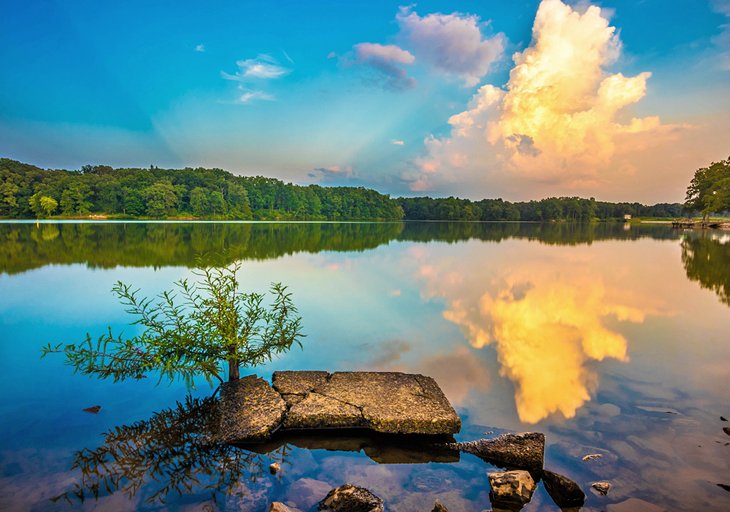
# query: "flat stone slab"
249,411
388,402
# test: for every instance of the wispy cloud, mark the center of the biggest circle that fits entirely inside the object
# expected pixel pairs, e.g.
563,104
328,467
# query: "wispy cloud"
247,97
722,40
331,173
387,61
263,67
451,43
397,142
200,48
250,75
288,57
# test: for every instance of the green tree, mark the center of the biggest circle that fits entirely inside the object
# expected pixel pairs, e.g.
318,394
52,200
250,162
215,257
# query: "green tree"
132,202
709,190
48,205
199,202
42,205
161,199
75,199
8,195
237,198
216,325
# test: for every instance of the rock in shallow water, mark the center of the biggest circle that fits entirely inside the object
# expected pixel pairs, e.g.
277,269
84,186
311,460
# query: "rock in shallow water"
601,487
564,491
349,498
438,507
511,489
278,506
249,410
522,451
388,402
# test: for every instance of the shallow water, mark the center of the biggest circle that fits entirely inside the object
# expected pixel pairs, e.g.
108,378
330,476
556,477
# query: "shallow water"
609,339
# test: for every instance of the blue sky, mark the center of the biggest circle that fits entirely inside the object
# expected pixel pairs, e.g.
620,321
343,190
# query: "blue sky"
363,93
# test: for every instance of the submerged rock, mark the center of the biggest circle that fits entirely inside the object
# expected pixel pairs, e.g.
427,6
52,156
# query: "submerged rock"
249,411
564,491
511,489
521,451
388,402
601,487
591,456
278,506
438,507
349,498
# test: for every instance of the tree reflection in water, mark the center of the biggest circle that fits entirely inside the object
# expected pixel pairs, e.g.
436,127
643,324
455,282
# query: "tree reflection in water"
706,259
171,452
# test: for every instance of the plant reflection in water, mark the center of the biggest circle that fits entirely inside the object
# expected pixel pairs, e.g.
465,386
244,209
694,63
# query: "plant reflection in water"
174,449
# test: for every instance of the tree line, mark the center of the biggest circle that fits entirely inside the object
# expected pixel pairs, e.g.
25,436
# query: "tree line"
549,209
27,191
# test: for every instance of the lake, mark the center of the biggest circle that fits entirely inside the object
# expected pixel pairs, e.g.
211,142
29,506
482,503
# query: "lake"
610,339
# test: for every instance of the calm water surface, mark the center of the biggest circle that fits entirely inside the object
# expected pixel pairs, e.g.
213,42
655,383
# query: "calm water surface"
609,339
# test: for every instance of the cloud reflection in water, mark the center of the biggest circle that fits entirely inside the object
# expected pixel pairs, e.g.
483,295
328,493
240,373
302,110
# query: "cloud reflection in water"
547,316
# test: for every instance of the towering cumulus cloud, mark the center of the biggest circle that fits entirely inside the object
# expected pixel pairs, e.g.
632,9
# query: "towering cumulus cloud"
559,118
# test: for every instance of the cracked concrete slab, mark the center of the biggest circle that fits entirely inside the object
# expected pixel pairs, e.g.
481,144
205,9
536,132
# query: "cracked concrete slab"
387,402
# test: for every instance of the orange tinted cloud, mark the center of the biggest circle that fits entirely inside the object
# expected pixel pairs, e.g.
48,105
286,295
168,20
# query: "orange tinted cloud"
561,121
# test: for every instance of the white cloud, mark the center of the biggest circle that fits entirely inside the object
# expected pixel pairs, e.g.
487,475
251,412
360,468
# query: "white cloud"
200,48
560,120
386,60
451,43
249,96
263,67
397,142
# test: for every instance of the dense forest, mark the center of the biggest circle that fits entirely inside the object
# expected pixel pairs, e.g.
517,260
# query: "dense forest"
553,208
27,191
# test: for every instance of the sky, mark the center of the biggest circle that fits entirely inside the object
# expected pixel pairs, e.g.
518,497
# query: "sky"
613,99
